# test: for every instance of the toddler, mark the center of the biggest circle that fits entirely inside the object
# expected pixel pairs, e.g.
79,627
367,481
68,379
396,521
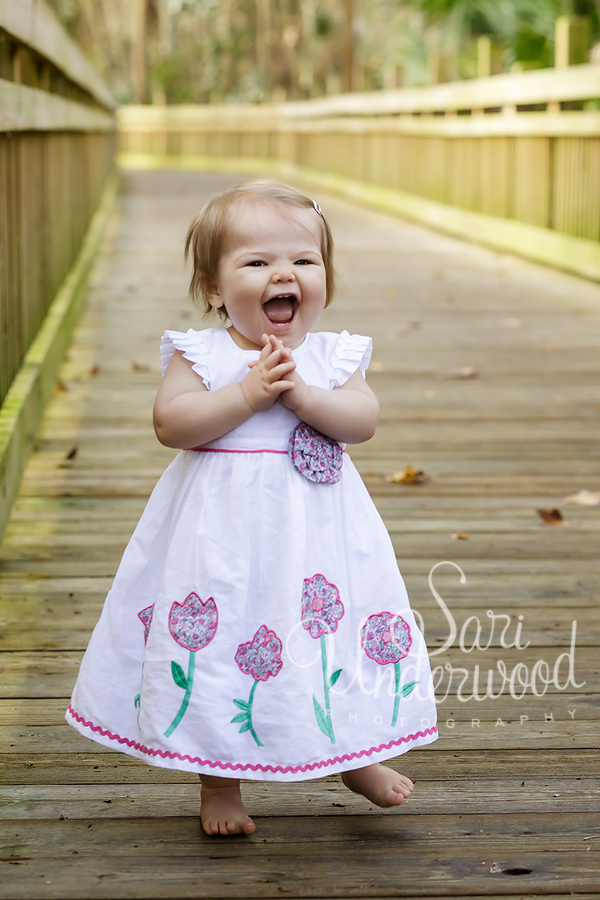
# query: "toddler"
258,626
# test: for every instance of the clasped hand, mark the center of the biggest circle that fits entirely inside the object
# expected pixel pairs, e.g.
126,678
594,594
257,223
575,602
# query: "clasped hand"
273,377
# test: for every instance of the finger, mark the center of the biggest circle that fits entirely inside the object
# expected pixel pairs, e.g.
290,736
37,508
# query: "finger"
280,371
275,341
279,345
275,358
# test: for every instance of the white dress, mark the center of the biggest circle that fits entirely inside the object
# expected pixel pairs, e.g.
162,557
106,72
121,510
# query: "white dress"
258,626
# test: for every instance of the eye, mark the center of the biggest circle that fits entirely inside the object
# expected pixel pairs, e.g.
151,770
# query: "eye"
302,262
256,262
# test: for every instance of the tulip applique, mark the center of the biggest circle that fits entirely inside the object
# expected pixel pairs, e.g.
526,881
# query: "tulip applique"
260,658
192,624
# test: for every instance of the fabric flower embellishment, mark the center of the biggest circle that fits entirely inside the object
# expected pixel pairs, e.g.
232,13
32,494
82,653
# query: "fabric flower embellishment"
321,606
192,624
260,658
386,638
145,617
316,456
321,611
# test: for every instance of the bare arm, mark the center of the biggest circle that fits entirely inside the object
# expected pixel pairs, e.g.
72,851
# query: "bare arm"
187,415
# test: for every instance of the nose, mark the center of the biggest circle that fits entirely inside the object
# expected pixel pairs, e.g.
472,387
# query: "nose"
283,275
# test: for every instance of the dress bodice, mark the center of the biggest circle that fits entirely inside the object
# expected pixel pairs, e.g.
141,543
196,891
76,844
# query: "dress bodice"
324,359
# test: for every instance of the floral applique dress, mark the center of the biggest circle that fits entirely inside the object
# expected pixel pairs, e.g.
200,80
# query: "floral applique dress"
258,626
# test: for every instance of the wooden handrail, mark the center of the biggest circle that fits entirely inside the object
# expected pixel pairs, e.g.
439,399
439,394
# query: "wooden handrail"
33,23
24,108
57,181
525,88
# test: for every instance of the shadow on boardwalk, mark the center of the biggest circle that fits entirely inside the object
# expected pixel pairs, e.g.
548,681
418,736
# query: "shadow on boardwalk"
506,802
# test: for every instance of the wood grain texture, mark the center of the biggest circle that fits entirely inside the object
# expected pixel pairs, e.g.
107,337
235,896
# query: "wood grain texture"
506,801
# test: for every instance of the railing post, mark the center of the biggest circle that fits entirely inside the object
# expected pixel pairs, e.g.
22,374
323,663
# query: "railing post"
572,41
489,57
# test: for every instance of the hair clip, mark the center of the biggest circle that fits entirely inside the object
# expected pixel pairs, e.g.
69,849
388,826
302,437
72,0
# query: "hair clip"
318,209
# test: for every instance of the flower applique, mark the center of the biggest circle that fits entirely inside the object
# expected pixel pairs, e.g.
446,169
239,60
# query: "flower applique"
145,617
192,624
260,658
386,639
321,611
316,456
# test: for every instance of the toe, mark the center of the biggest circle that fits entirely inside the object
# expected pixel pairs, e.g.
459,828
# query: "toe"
247,826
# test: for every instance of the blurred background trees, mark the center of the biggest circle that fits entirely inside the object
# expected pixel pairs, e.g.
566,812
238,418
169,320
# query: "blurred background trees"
197,51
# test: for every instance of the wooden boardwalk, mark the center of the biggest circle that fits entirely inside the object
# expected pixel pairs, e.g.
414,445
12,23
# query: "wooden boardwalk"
507,801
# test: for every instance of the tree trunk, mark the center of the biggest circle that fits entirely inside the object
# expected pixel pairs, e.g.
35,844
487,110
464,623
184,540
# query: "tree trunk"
138,50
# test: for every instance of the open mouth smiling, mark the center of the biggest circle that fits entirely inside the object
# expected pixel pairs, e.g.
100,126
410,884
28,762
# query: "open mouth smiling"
280,310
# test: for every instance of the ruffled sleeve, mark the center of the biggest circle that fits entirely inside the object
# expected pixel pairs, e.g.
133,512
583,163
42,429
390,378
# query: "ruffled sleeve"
351,352
194,348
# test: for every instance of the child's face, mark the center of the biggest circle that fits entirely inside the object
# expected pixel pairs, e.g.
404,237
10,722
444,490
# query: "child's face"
271,274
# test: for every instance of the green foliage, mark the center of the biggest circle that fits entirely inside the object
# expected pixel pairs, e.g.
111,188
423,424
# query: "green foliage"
197,51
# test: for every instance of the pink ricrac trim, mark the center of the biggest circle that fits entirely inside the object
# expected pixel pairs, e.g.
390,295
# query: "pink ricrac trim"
219,450
241,767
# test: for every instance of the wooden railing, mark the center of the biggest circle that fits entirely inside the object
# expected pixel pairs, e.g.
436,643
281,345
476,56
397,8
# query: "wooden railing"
57,147
510,160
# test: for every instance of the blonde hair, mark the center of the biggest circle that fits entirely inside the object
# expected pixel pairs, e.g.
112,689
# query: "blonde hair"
208,231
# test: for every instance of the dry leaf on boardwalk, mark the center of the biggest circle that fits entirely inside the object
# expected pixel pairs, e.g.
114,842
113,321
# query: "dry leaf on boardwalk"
460,536
464,372
139,367
408,476
69,458
552,517
584,498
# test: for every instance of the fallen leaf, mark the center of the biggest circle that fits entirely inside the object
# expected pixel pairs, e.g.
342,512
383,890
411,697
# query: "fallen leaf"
72,452
139,367
464,372
552,517
460,536
95,370
584,498
408,476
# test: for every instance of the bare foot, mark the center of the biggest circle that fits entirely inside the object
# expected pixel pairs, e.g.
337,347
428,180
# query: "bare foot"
380,785
222,810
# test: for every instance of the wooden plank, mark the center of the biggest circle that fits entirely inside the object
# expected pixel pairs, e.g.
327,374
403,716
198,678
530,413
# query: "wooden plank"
24,108
326,798
180,838
106,767
399,872
34,23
